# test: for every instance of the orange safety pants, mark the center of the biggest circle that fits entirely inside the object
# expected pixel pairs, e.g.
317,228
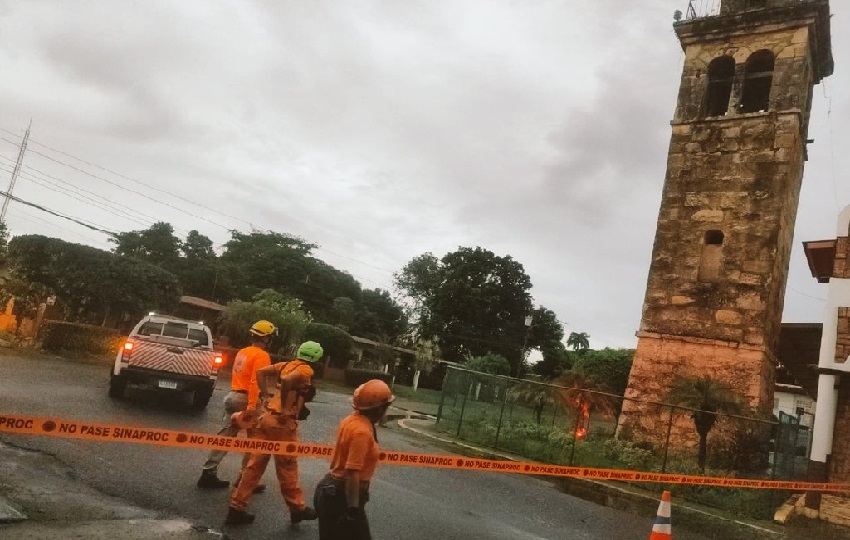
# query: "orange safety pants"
271,427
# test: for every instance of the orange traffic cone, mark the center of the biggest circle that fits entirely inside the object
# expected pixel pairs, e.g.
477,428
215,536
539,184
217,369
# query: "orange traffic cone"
662,529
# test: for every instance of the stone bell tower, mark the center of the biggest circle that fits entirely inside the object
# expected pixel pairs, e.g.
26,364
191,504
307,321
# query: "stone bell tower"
716,285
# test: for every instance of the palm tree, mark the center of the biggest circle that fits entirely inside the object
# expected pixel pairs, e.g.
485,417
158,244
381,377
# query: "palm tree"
578,341
708,397
530,392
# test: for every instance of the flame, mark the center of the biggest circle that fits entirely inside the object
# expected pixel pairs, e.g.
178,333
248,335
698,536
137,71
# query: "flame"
583,423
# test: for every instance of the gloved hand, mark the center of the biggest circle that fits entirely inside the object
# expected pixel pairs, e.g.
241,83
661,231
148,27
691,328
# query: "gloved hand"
304,413
352,516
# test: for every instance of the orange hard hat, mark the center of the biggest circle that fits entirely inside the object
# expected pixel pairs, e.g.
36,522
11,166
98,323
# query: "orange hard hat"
371,395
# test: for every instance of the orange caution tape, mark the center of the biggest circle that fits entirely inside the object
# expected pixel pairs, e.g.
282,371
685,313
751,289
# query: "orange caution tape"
96,431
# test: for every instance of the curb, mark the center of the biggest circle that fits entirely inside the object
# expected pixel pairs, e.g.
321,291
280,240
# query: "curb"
133,529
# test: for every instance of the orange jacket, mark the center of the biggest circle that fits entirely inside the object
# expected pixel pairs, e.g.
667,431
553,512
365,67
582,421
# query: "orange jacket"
248,361
356,448
291,404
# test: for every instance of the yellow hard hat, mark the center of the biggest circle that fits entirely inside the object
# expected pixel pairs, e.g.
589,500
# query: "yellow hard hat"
263,329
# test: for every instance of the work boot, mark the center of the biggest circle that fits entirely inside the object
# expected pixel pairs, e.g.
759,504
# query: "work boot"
209,480
304,515
238,517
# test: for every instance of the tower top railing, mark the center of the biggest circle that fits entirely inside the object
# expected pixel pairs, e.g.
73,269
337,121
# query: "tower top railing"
698,9
702,8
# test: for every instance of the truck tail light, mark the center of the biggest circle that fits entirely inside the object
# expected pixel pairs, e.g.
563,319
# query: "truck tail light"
126,350
218,361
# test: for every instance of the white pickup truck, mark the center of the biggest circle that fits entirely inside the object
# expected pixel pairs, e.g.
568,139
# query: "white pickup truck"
167,353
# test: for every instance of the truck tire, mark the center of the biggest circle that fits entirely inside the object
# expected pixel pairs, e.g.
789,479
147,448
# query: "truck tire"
201,398
117,386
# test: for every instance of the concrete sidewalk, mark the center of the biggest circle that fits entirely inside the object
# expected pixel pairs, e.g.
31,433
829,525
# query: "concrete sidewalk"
41,499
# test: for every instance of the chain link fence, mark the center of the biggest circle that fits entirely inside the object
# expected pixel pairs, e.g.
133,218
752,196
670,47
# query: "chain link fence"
575,426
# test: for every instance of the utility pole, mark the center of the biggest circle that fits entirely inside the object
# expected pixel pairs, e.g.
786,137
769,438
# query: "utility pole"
15,173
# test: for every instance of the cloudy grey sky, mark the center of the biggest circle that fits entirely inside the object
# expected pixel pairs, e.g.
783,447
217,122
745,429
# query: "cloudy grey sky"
382,129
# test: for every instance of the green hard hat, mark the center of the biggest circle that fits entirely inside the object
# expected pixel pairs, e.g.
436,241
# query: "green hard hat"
310,351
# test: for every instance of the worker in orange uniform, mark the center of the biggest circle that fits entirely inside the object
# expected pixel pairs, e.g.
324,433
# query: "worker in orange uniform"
340,497
278,422
243,390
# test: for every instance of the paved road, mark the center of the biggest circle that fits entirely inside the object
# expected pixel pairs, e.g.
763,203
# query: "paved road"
407,503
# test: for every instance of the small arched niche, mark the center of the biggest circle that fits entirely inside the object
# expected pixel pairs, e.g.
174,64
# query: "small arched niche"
711,258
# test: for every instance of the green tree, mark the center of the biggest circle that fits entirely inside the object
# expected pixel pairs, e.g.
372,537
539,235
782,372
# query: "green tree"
578,341
155,245
530,391
197,247
4,242
266,260
426,355
336,342
379,317
708,397
494,364
546,334
472,301
343,312
608,368
419,280
94,286
201,272
285,313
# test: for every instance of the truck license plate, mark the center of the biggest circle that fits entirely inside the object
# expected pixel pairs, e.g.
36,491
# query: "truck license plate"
168,384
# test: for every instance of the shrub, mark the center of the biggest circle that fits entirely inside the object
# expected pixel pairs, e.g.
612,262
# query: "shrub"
76,338
335,341
356,377
628,454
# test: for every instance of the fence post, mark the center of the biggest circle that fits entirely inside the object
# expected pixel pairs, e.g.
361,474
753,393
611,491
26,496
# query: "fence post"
443,395
462,409
575,429
501,415
667,443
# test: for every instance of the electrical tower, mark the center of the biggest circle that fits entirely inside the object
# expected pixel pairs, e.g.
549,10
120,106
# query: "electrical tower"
15,173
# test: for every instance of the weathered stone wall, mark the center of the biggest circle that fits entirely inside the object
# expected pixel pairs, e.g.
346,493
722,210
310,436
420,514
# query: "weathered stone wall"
659,359
792,75
741,177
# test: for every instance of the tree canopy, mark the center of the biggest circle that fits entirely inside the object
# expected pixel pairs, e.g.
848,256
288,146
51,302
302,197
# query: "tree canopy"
475,302
265,260
91,284
285,313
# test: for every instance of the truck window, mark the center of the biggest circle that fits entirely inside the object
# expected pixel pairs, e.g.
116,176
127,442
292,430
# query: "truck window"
150,328
176,330
200,336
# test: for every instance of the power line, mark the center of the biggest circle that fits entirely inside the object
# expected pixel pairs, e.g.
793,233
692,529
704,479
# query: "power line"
81,198
195,203
26,216
90,164
78,221
45,176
